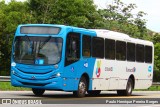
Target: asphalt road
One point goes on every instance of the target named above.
(68, 95)
(66, 99)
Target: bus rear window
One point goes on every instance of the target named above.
(148, 54)
(39, 30)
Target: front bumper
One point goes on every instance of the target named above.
(50, 84)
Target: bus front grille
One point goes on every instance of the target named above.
(34, 84)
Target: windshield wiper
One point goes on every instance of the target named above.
(46, 41)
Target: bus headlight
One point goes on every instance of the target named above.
(58, 74)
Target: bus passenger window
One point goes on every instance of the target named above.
(98, 47)
(148, 54)
(86, 46)
(139, 53)
(120, 50)
(109, 49)
(131, 52)
(72, 48)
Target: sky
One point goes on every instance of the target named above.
(151, 7)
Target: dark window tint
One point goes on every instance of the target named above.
(86, 46)
(109, 49)
(139, 53)
(120, 50)
(98, 47)
(130, 51)
(148, 54)
(72, 48)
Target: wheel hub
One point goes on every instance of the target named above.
(129, 88)
(82, 87)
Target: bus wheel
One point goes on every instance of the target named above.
(82, 88)
(38, 92)
(128, 90)
(94, 92)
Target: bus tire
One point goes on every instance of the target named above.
(128, 90)
(82, 88)
(38, 92)
(94, 92)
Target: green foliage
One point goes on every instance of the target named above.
(119, 18)
(157, 62)
(6, 86)
(70, 12)
(152, 88)
(156, 41)
(80, 13)
(11, 15)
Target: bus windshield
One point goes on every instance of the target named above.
(37, 50)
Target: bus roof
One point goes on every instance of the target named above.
(120, 36)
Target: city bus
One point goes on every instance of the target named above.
(79, 60)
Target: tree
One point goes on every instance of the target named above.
(71, 12)
(119, 17)
(11, 15)
(141, 24)
(156, 38)
(157, 62)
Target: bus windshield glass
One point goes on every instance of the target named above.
(37, 50)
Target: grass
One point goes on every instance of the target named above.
(152, 88)
(6, 86)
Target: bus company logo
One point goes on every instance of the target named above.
(150, 69)
(33, 77)
(98, 69)
(131, 70)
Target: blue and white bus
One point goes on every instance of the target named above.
(78, 60)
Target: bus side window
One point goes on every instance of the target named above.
(139, 53)
(131, 52)
(98, 47)
(109, 49)
(86, 46)
(121, 50)
(72, 48)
